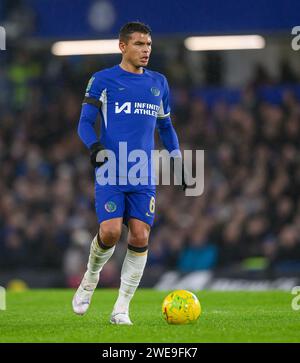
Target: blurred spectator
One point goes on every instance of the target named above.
(199, 253)
(287, 75)
(287, 256)
(231, 247)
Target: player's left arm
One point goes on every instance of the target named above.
(167, 132)
(86, 127)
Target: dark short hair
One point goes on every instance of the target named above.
(132, 27)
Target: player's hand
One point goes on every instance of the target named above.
(182, 173)
(183, 177)
(94, 150)
(184, 184)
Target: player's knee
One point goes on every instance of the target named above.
(109, 235)
(139, 238)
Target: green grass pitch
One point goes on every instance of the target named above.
(46, 316)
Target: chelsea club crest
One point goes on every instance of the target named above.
(110, 207)
(155, 91)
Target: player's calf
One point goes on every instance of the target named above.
(99, 255)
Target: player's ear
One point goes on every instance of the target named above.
(122, 46)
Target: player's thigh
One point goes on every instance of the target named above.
(140, 205)
(139, 232)
(109, 203)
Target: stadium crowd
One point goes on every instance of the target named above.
(247, 219)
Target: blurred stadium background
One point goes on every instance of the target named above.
(241, 106)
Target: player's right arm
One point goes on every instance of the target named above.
(89, 111)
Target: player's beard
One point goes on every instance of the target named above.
(144, 63)
(140, 64)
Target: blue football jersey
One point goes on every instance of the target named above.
(130, 106)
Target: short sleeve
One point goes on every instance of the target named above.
(164, 110)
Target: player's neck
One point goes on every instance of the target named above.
(128, 67)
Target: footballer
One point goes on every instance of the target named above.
(132, 102)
